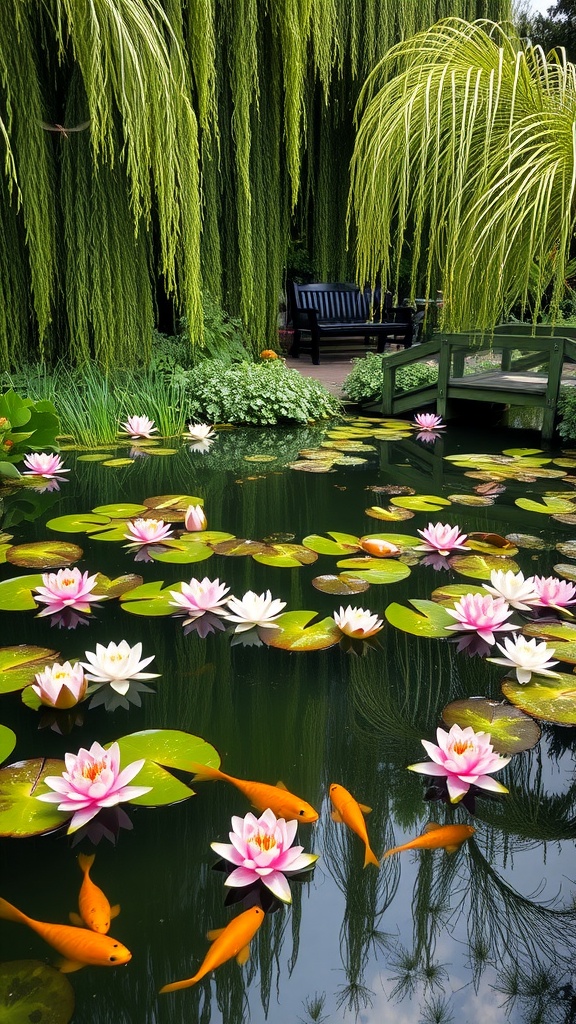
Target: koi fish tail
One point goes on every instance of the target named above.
(85, 861)
(175, 986)
(371, 858)
(388, 853)
(10, 913)
(204, 773)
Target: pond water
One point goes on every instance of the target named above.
(485, 934)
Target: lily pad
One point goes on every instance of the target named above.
(479, 567)
(390, 514)
(21, 814)
(551, 700)
(7, 742)
(527, 541)
(19, 665)
(345, 583)
(510, 729)
(116, 463)
(16, 593)
(79, 522)
(165, 748)
(430, 619)
(376, 570)
(568, 548)
(341, 543)
(491, 544)
(568, 572)
(107, 588)
(180, 552)
(45, 554)
(548, 506)
(239, 547)
(449, 593)
(312, 466)
(172, 507)
(562, 637)
(286, 556)
(295, 634)
(31, 991)
(419, 502)
(93, 458)
(471, 499)
(123, 510)
(149, 599)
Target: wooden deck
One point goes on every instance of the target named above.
(532, 368)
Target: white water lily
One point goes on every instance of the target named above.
(519, 592)
(200, 432)
(117, 664)
(357, 622)
(526, 656)
(254, 610)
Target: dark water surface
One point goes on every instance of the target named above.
(485, 935)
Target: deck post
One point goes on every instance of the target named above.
(443, 378)
(553, 388)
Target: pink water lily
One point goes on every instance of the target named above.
(357, 622)
(428, 421)
(262, 850)
(117, 665)
(92, 780)
(552, 592)
(195, 519)
(45, 464)
(482, 614)
(526, 656)
(67, 588)
(139, 426)
(60, 686)
(254, 610)
(465, 758)
(200, 596)
(147, 531)
(442, 537)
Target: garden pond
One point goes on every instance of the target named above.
(485, 933)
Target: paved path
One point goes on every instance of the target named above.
(331, 372)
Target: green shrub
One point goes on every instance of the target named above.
(365, 382)
(25, 426)
(261, 394)
(567, 413)
(225, 337)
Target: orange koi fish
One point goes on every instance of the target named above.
(283, 803)
(95, 910)
(437, 837)
(79, 946)
(351, 813)
(231, 941)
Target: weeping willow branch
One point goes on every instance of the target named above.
(465, 154)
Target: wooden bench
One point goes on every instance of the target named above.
(342, 312)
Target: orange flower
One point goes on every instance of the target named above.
(268, 353)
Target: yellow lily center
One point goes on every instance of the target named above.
(264, 841)
(92, 771)
(461, 748)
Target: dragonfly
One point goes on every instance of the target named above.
(64, 131)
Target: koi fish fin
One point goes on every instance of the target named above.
(336, 816)
(85, 861)
(243, 955)
(371, 858)
(69, 966)
(454, 848)
(214, 934)
(76, 919)
(431, 826)
(10, 913)
(175, 986)
(364, 809)
(280, 785)
(395, 849)
(114, 911)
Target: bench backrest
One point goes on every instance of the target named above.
(335, 302)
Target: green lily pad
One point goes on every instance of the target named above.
(31, 991)
(116, 463)
(312, 466)
(7, 742)
(491, 544)
(16, 593)
(390, 514)
(341, 543)
(450, 593)
(479, 567)
(528, 541)
(239, 547)
(510, 729)
(79, 522)
(548, 506)
(345, 583)
(376, 570)
(471, 499)
(107, 588)
(93, 458)
(149, 599)
(21, 814)
(180, 552)
(551, 700)
(294, 633)
(165, 748)
(162, 451)
(19, 665)
(562, 637)
(172, 508)
(430, 619)
(286, 555)
(568, 548)
(568, 572)
(45, 554)
(123, 510)
(419, 502)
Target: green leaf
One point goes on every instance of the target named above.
(294, 633)
(376, 570)
(562, 637)
(149, 599)
(19, 665)
(79, 522)
(16, 593)
(31, 991)
(390, 514)
(123, 510)
(285, 555)
(21, 813)
(44, 554)
(7, 742)
(341, 544)
(479, 567)
(239, 547)
(8, 470)
(181, 553)
(419, 502)
(165, 748)
(510, 729)
(344, 584)
(549, 506)
(429, 619)
(552, 700)
(450, 593)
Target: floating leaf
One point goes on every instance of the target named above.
(376, 570)
(19, 665)
(429, 619)
(162, 451)
(21, 814)
(567, 571)
(16, 593)
(568, 548)
(44, 554)
(341, 543)
(108, 588)
(180, 552)
(390, 514)
(79, 522)
(7, 742)
(449, 593)
(116, 463)
(419, 502)
(491, 544)
(526, 540)
(312, 466)
(294, 633)
(569, 518)
(510, 729)
(471, 499)
(239, 547)
(287, 555)
(345, 583)
(150, 599)
(172, 508)
(552, 700)
(123, 510)
(92, 458)
(34, 993)
(260, 458)
(479, 567)
(548, 506)
(165, 748)
(562, 636)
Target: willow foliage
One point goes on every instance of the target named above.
(466, 157)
